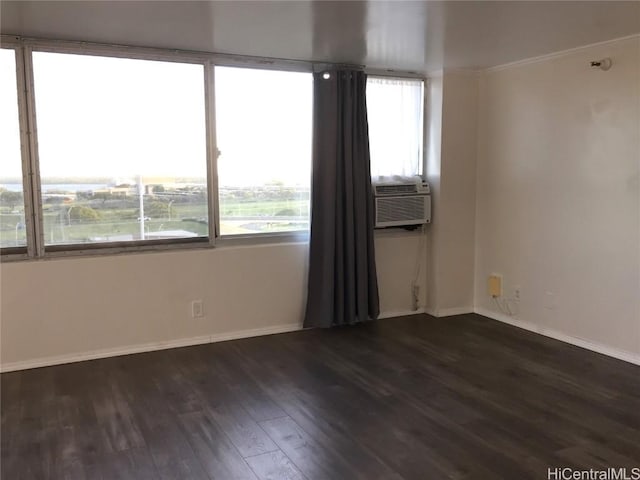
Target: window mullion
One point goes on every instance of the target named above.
(212, 152)
(29, 147)
(425, 125)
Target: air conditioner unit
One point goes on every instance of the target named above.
(402, 204)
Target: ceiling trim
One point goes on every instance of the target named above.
(558, 54)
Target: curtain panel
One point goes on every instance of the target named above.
(343, 287)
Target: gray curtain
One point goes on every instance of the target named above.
(343, 286)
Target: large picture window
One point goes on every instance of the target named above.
(122, 149)
(12, 211)
(263, 128)
(395, 108)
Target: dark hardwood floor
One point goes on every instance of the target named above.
(413, 398)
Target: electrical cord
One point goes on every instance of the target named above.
(421, 244)
(504, 306)
(418, 266)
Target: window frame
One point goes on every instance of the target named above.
(390, 75)
(27, 251)
(36, 249)
(39, 248)
(293, 236)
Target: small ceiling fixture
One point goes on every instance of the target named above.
(604, 64)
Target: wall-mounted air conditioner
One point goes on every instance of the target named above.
(402, 204)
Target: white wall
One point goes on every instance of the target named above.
(458, 190)
(558, 200)
(433, 124)
(79, 306)
(401, 259)
(73, 308)
(451, 171)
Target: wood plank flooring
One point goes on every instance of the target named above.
(412, 398)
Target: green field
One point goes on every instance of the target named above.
(87, 221)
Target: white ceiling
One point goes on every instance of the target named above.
(408, 35)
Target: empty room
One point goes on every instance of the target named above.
(320, 240)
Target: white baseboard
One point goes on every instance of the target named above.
(147, 347)
(563, 337)
(448, 312)
(400, 313)
(185, 342)
(151, 347)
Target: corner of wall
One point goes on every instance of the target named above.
(558, 204)
(452, 135)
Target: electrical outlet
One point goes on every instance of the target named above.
(550, 300)
(517, 292)
(197, 309)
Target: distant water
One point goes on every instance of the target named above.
(62, 187)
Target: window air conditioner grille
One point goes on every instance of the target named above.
(396, 189)
(403, 210)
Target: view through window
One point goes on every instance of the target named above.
(122, 148)
(12, 214)
(395, 112)
(263, 130)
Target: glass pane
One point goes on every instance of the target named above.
(395, 112)
(263, 128)
(12, 221)
(122, 147)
